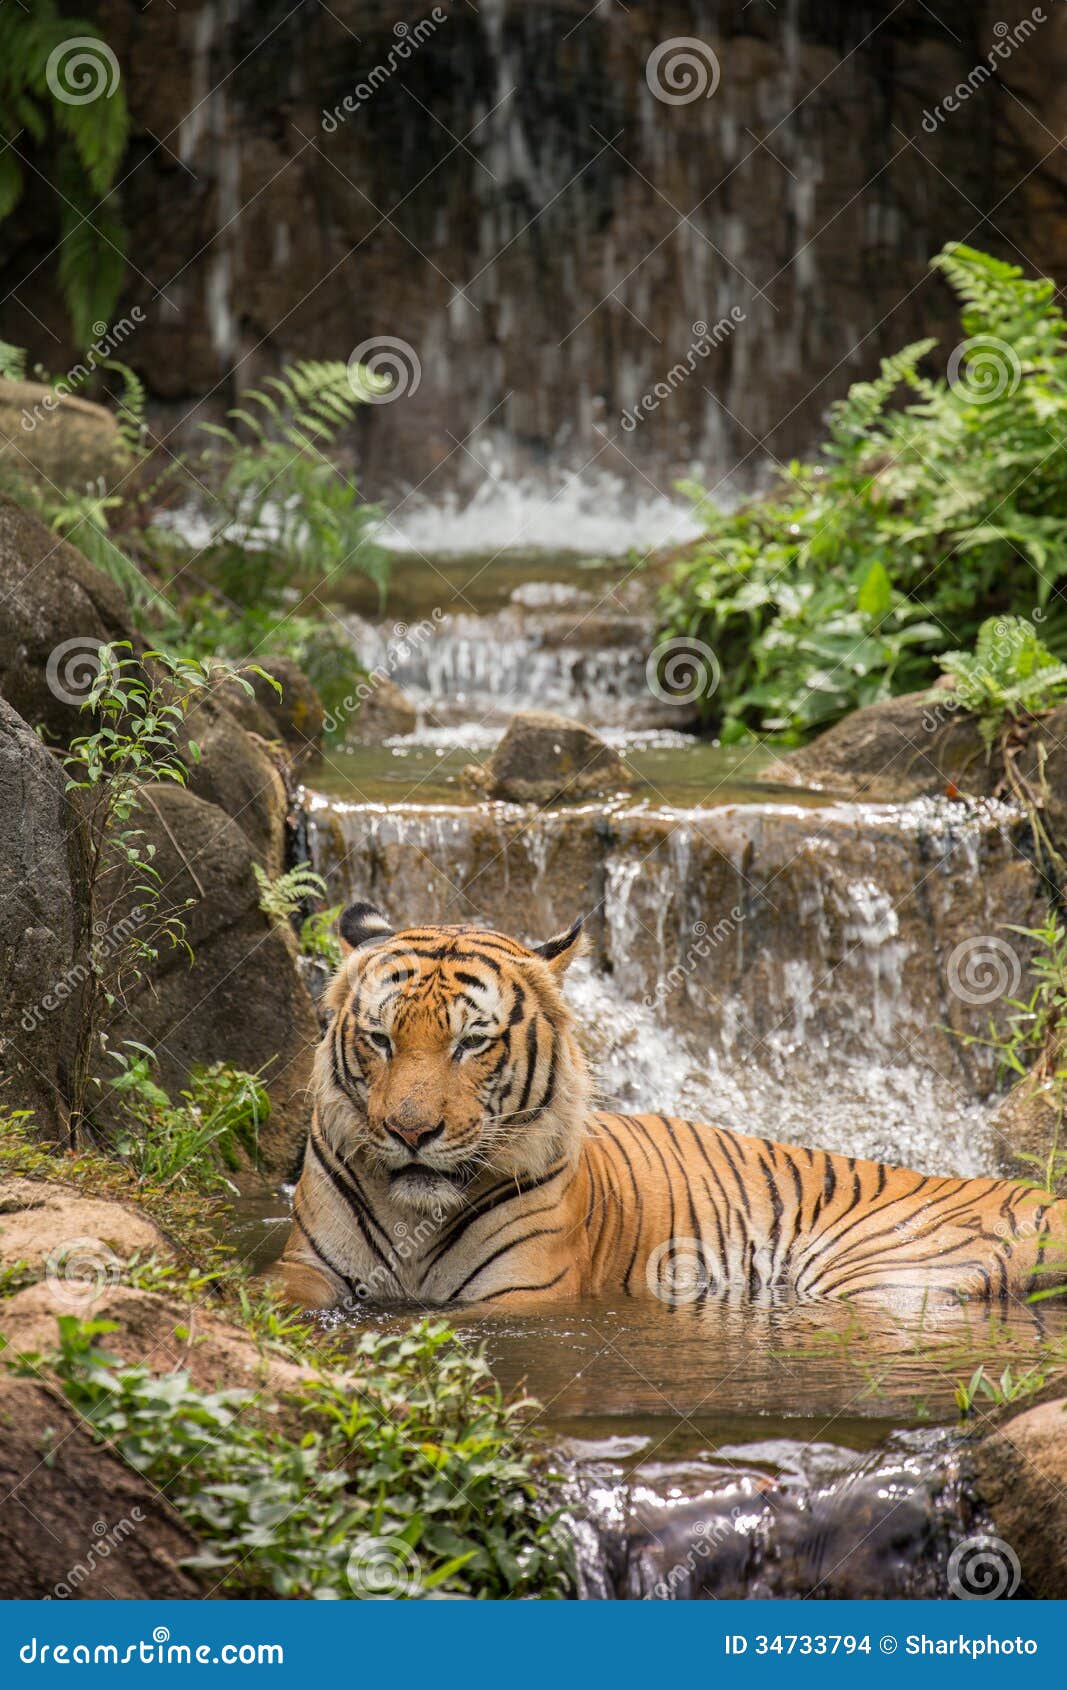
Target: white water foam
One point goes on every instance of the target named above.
(597, 516)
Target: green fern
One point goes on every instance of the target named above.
(1010, 672)
(82, 144)
(933, 505)
(287, 510)
(281, 897)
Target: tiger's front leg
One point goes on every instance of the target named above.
(306, 1285)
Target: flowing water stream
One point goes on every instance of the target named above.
(763, 958)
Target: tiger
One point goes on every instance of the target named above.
(455, 1158)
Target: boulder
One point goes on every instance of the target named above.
(898, 749)
(42, 927)
(1021, 1470)
(236, 771)
(58, 609)
(242, 999)
(295, 717)
(77, 1243)
(75, 1520)
(60, 439)
(385, 713)
(543, 758)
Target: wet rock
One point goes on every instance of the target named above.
(385, 713)
(779, 1520)
(65, 441)
(544, 758)
(242, 999)
(57, 611)
(1022, 1478)
(43, 934)
(901, 748)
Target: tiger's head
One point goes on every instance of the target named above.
(450, 1059)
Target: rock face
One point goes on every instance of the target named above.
(42, 927)
(67, 443)
(1028, 1126)
(535, 217)
(543, 759)
(242, 999)
(1022, 1478)
(294, 717)
(57, 611)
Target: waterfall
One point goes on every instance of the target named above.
(767, 967)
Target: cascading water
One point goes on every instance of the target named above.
(762, 958)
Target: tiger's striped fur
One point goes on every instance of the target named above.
(453, 1158)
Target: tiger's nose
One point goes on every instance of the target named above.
(416, 1135)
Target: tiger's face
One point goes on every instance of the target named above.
(450, 1057)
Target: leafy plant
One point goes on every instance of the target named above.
(141, 705)
(1010, 673)
(1008, 1388)
(318, 939)
(913, 524)
(197, 1140)
(415, 1475)
(80, 142)
(289, 517)
(281, 898)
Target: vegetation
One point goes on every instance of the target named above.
(76, 144)
(282, 897)
(1010, 674)
(197, 1141)
(914, 523)
(411, 1480)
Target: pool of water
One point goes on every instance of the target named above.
(652, 1378)
(676, 770)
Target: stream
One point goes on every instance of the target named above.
(762, 957)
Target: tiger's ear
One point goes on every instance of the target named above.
(362, 924)
(564, 949)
